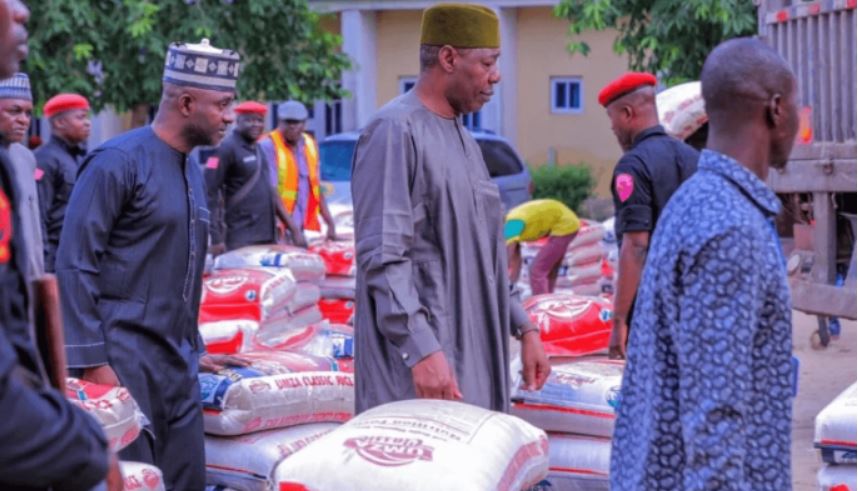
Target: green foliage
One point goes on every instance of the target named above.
(570, 184)
(669, 37)
(113, 51)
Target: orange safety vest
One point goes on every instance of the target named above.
(287, 177)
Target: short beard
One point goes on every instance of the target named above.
(195, 136)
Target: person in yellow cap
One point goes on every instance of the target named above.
(535, 220)
(435, 309)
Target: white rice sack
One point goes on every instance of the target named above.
(229, 336)
(577, 463)
(304, 265)
(306, 295)
(276, 327)
(421, 445)
(113, 407)
(837, 478)
(590, 233)
(580, 396)
(279, 389)
(338, 287)
(681, 109)
(137, 476)
(247, 463)
(836, 428)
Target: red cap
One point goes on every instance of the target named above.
(625, 84)
(65, 102)
(251, 107)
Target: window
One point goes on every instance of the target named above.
(500, 159)
(566, 95)
(334, 117)
(406, 84)
(472, 121)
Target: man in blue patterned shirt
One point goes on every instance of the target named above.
(706, 401)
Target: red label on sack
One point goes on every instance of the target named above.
(388, 451)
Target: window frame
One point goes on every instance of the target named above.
(567, 80)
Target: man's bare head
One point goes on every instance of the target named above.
(750, 89)
(632, 113)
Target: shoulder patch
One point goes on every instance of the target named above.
(625, 186)
(5, 228)
(212, 162)
(38, 174)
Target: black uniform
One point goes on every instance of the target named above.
(57, 162)
(45, 442)
(237, 179)
(646, 177)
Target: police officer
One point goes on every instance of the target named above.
(57, 163)
(45, 442)
(237, 179)
(652, 168)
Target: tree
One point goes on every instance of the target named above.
(669, 37)
(113, 51)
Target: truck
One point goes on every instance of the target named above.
(818, 185)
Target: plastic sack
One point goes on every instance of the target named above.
(229, 336)
(339, 256)
(580, 396)
(837, 478)
(338, 287)
(254, 294)
(247, 463)
(681, 110)
(284, 322)
(585, 255)
(577, 463)
(305, 266)
(835, 433)
(590, 233)
(279, 389)
(137, 476)
(421, 445)
(322, 339)
(337, 310)
(579, 275)
(113, 407)
(306, 295)
(571, 325)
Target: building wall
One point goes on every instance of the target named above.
(398, 41)
(581, 137)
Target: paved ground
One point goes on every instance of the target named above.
(824, 374)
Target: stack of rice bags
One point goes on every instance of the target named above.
(835, 438)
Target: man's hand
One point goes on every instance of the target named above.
(217, 249)
(114, 480)
(619, 335)
(101, 375)
(332, 233)
(433, 378)
(216, 363)
(535, 365)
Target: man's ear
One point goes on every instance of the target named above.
(185, 103)
(775, 111)
(447, 58)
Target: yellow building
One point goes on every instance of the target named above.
(546, 102)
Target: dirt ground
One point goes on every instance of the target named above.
(824, 374)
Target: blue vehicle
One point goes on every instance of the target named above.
(504, 165)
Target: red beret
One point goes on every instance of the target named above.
(251, 107)
(65, 102)
(625, 84)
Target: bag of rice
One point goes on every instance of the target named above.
(577, 463)
(137, 476)
(279, 389)
(305, 266)
(254, 294)
(113, 407)
(421, 445)
(570, 324)
(580, 396)
(836, 428)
